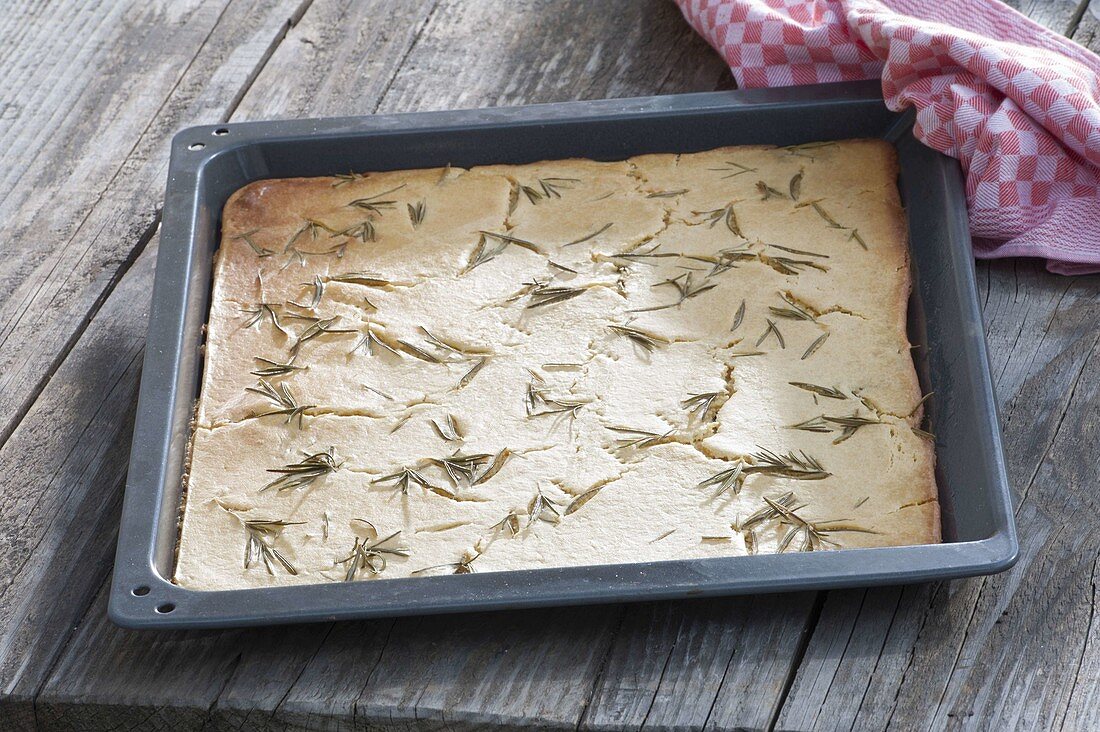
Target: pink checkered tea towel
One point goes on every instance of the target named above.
(1017, 104)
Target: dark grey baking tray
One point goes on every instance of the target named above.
(209, 163)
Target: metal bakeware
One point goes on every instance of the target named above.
(211, 162)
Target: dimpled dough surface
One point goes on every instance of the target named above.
(562, 363)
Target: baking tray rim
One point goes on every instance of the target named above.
(144, 509)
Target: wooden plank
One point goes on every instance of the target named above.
(322, 674)
(466, 672)
(718, 664)
(1058, 15)
(60, 520)
(170, 696)
(57, 519)
(1087, 30)
(93, 94)
(1014, 649)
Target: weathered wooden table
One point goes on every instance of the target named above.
(91, 92)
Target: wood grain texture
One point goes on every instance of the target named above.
(1058, 15)
(1021, 649)
(68, 447)
(715, 664)
(1017, 649)
(94, 92)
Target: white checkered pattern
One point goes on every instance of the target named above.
(1018, 105)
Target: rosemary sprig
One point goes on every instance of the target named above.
(646, 340)
(637, 438)
(668, 194)
(825, 391)
(374, 204)
(859, 239)
(538, 404)
(849, 425)
(510, 522)
(685, 287)
(770, 512)
(814, 534)
(790, 266)
(370, 340)
(726, 259)
(799, 251)
(342, 179)
(258, 314)
(274, 368)
(246, 237)
(767, 191)
(728, 479)
(698, 405)
(494, 467)
(795, 186)
(371, 557)
(282, 398)
(550, 186)
(790, 465)
(305, 472)
(793, 311)
(484, 252)
(364, 231)
(449, 430)
(462, 469)
(406, 477)
(366, 279)
(582, 499)
(320, 327)
(734, 169)
(726, 214)
(796, 150)
(544, 294)
(418, 352)
(260, 536)
(814, 424)
(417, 212)
(770, 330)
(812, 348)
(539, 506)
(588, 237)
(462, 566)
(318, 286)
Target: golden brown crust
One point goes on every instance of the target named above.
(572, 320)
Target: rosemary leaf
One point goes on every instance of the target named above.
(812, 349)
(770, 330)
(582, 499)
(303, 473)
(498, 462)
(593, 235)
(417, 212)
(641, 338)
(738, 317)
(374, 204)
(825, 391)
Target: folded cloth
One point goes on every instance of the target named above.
(1018, 105)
